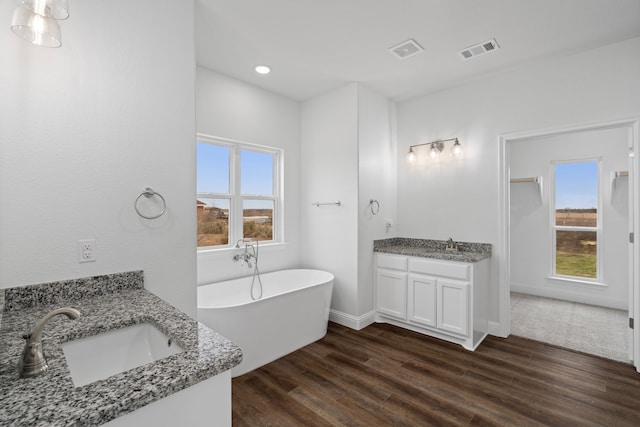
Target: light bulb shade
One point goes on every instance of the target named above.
(411, 156)
(456, 149)
(435, 150)
(36, 28)
(56, 9)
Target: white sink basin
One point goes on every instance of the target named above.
(100, 356)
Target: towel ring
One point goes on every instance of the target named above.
(148, 192)
(376, 209)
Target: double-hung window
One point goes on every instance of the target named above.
(238, 192)
(576, 220)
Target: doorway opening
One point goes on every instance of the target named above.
(542, 254)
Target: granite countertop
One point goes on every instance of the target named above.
(105, 303)
(467, 251)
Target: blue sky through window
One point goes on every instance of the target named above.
(212, 174)
(212, 168)
(256, 171)
(577, 185)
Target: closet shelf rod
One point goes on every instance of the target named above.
(521, 180)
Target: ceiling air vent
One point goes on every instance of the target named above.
(479, 49)
(406, 49)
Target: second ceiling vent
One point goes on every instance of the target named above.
(479, 49)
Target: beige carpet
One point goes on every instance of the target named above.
(586, 328)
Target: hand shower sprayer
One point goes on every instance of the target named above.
(245, 258)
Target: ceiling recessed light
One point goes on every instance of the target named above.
(262, 69)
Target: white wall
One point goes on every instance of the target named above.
(235, 110)
(348, 152)
(461, 199)
(330, 173)
(376, 180)
(83, 129)
(531, 238)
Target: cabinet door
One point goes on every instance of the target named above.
(422, 300)
(453, 306)
(391, 293)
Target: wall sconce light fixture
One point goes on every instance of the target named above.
(37, 21)
(435, 149)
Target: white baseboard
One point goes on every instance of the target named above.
(350, 321)
(582, 298)
(495, 329)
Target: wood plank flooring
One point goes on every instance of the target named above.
(387, 376)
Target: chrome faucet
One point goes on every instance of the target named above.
(32, 362)
(246, 257)
(451, 245)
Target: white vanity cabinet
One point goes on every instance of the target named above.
(441, 298)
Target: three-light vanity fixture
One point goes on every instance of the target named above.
(435, 149)
(37, 21)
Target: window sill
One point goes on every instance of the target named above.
(223, 252)
(577, 281)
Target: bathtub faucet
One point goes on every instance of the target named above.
(246, 257)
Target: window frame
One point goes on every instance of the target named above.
(235, 196)
(598, 229)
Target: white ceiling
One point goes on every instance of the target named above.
(314, 46)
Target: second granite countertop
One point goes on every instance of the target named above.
(435, 249)
(52, 399)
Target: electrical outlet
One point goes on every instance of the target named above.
(86, 250)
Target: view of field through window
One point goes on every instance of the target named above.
(576, 219)
(216, 194)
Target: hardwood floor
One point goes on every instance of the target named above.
(387, 376)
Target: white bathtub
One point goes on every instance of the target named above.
(293, 312)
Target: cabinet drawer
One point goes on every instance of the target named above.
(455, 270)
(394, 262)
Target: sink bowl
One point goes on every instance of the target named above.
(100, 356)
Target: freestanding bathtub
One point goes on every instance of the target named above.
(293, 312)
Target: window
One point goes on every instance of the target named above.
(238, 193)
(576, 220)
